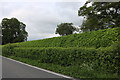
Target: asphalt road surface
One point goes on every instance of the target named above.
(13, 69)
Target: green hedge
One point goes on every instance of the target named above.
(96, 59)
(100, 38)
(91, 51)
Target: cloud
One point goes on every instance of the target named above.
(42, 18)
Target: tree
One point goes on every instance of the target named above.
(65, 29)
(13, 31)
(100, 15)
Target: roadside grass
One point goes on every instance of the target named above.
(73, 71)
(0, 49)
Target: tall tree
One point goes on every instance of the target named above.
(13, 31)
(65, 29)
(100, 15)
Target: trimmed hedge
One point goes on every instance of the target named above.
(96, 51)
(95, 59)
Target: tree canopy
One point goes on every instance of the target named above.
(13, 31)
(65, 29)
(100, 15)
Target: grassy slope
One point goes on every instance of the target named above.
(101, 38)
(66, 47)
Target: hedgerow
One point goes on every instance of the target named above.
(96, 51)
(97, 59)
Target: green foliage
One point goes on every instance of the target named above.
(13, 31)
(100, 15)
(101, 38)
(89, 59)
(7, 50)
(73, 71)
(91, 54)
(65, 29)
(0, 50)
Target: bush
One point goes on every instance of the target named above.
(96, 51)
(91, 58)
(7, 50)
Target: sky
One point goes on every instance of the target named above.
(42, 17)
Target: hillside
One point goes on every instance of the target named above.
(86, 55)
(101, 38)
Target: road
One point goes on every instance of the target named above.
(13, 69)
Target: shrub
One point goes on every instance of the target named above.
(93, 51)
(95, 59)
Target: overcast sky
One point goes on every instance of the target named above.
(42, 18)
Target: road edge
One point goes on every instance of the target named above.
(48, 71)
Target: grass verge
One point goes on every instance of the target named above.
(73, 71)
